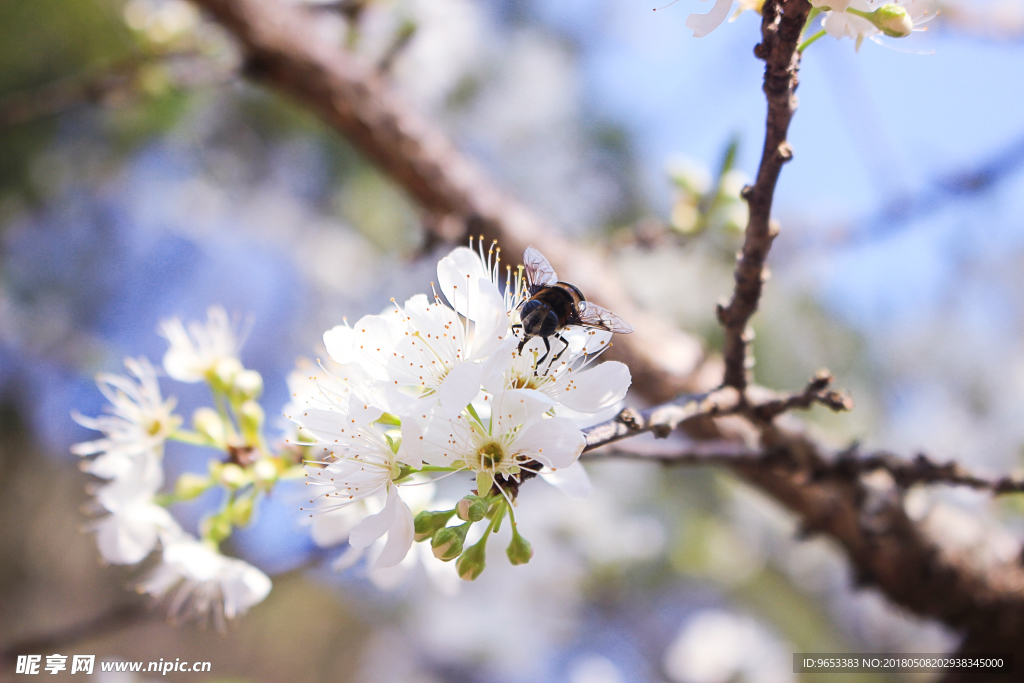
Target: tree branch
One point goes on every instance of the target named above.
(662, 420)
(781, 24)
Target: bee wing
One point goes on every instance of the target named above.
(592, 315)
(539, 272)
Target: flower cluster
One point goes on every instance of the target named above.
(856, 19)
(440, 386)
(194, 578)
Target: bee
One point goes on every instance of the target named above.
(554, 306)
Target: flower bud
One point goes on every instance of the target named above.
(250, 417)
(266, 471)
(232, 476)
(893, 21)
(225, 370)
(207, 422)
(428, 522)
(447, 542)
(249, 384)
(471, 509)
(519, 550)
(215, 528)
(190, 485)
(471, 564)
(241, 510)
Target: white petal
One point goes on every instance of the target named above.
(326, 425)
(362, 410)
(555, 442)
(410, 451)
(124, 540)
(374, 526)
(517, 407)
(347, 559)
(596, 388)
(243, 587)
(459, 387)
(573, 480)
(493, 377)
(703, 24)
(341, 344)
(332, 527)
(491, 320)
(454, 271)
(400, 536)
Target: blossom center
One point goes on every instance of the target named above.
(491, 455)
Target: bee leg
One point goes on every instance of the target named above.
(559, 354)
(547, 350)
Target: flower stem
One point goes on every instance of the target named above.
(809, 41)
(188, 436)
(815, 11)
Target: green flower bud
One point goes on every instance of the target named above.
(251, 418)
(266, 471)
(471, 508)
(224, 372)
(893, 21)
(448, 542)
(215, 528)
(428, 522)
(207, 422)
(471, 564)
(248, 384)
(241, 510)
(190, 485)
(233, 476)
(519, 550)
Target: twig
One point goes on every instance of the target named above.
(716, 452)
(781, 24)
(285, 50)
(817, 391)
(920, 470)
(663, 419)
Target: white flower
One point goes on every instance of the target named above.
(462, 273)
(139, 422)
(358, 462)
(195, 354)
(514, 437)
(845, 18)
(424, 352)
(197, 582)
(839, 23)
(133, 527)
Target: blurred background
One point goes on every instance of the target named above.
(141, 178)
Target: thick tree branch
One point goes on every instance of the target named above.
(284, 49)
(781, 25)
